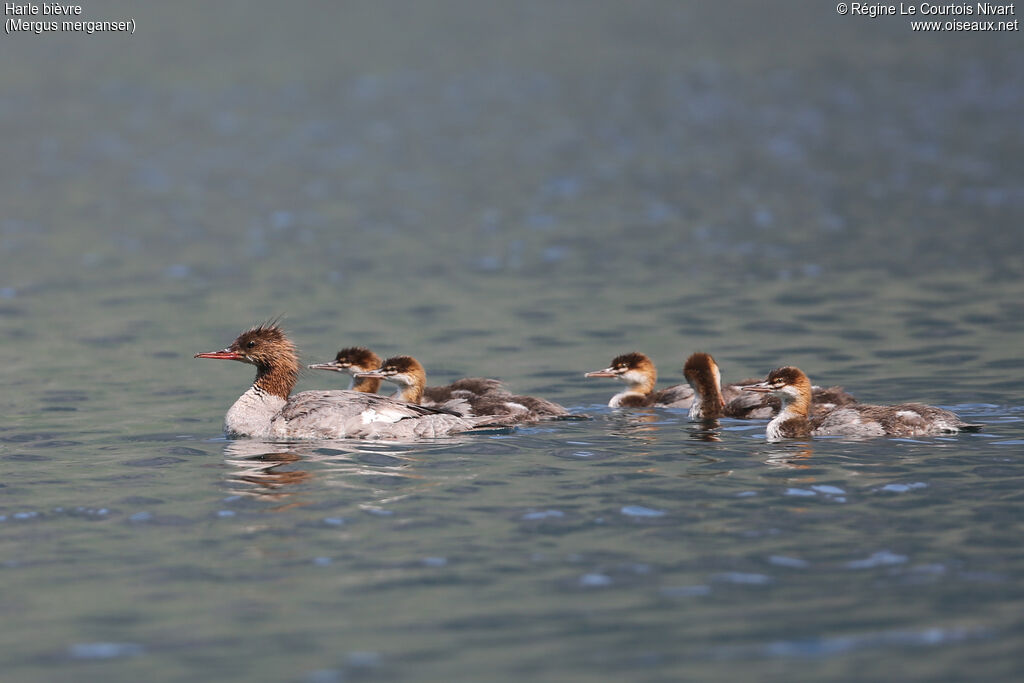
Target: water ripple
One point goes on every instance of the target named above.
(838, 645)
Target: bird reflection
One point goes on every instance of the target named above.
(640, 426)
(283, 471)
(705, 430)
(266, 473)
(795, 457)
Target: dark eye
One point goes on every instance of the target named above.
(251, 344)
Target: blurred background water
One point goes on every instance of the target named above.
(520, 190)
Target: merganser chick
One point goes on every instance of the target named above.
(702, 374)
(795, 421)
(357, 359)
(640, 376)
(705, 378)
(470, 396)
(268, 409)
(462, 389)
(405, 372)
(352, 360)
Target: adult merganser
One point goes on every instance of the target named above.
(704, 377)
(350, 361)
(470, 396)
(795, 421)
(268, 410)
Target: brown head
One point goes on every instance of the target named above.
(702, 373)
(268, 348)
(634, 369)
(351, 360)
(790, 384)
(403, 371)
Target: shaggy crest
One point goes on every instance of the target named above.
(277, 360)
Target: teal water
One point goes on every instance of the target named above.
(523, 192)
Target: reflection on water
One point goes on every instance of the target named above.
(791, 456)
(705, 430)
(378, 472)
(265, 475)
(643, 427)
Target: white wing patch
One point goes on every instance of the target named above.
(910, 414)
(383, 415)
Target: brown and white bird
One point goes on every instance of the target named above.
(637, 371)
(469, 396)
(710, 401)
(796, 420)
(354, 360)
(350, 361)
